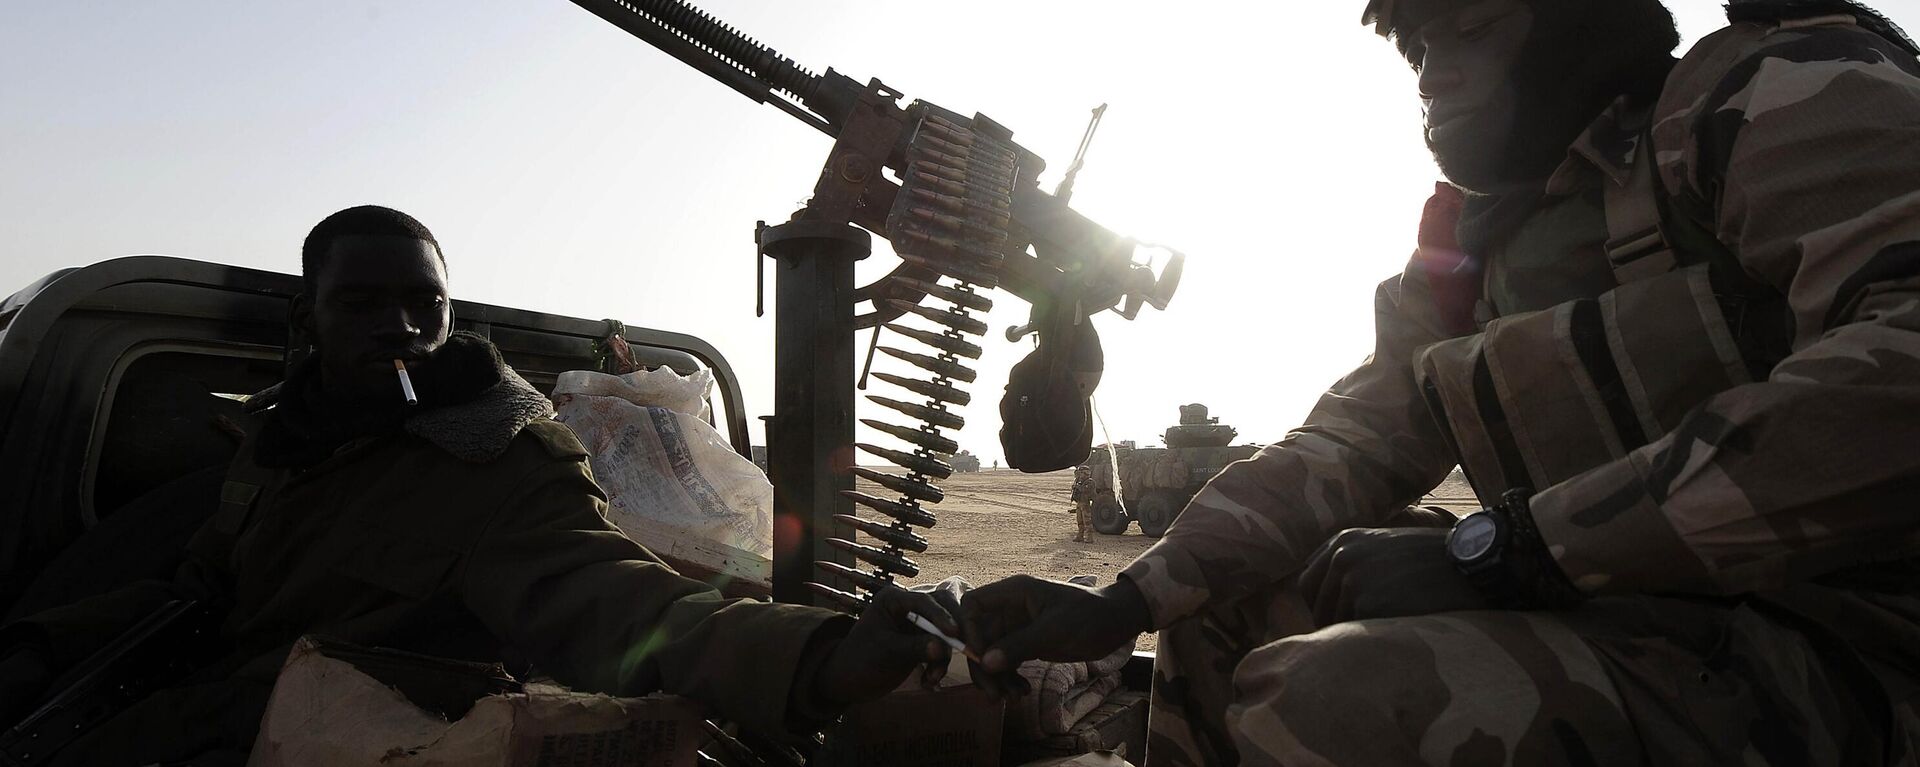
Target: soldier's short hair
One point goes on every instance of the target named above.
(358, 221)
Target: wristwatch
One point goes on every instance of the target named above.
(1480, 546)
(1500, 551)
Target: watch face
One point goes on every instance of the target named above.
(1472, 537)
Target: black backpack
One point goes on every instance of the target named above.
(1046, 416)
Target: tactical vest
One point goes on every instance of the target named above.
(1538, 397)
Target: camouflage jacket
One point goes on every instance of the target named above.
(1800, 142)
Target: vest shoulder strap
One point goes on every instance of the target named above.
(1637, 245)
(1648, 235)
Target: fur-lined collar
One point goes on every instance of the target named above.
(472, 407)
(480, 429)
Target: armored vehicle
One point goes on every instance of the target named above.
(966, 462)
(1157, 482)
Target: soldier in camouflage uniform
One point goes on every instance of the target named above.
(1696, 334)
(1083, 504)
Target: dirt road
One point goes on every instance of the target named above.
(997, 523)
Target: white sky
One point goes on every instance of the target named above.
(567, 167)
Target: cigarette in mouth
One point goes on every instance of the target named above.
(927, 626)
(406, 384)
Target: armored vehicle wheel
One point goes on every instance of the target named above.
(1156, 510)
(1107, 517)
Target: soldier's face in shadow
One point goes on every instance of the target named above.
(1509, 85)
(1468, 54)
(1465, 58)
(376, 299)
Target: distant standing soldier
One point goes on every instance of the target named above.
(1083, 503)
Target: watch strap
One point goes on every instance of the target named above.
(1489, 572)
(1529, 559)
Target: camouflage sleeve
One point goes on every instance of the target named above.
(1807, 143)
(1368, 448)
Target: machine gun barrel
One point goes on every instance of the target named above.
(742, 63)
(1074, 254)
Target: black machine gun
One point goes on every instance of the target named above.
(966, 206)
(933, 234)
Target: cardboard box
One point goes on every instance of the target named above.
(957, 726)
(1119, 725)
(328, 709)
(1095, 759)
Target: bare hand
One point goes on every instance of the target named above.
(1385, 573)
(1025, 618)
(883, 648)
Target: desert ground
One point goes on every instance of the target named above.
(997, 523)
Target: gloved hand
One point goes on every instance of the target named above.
(1023, 618)
(1385, 573)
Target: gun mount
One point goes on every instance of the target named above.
(967, 207)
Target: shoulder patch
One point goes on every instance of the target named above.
(558, 440)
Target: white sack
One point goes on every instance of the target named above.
(668, 474)
(647, 388)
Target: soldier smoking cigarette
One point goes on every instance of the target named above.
(406, 383)
(957, 645)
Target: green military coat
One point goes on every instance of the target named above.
(474, 532)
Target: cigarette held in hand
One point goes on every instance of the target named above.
(406, 384)
(927, 626)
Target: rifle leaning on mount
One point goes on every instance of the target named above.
(164, 647)
(967, 206)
